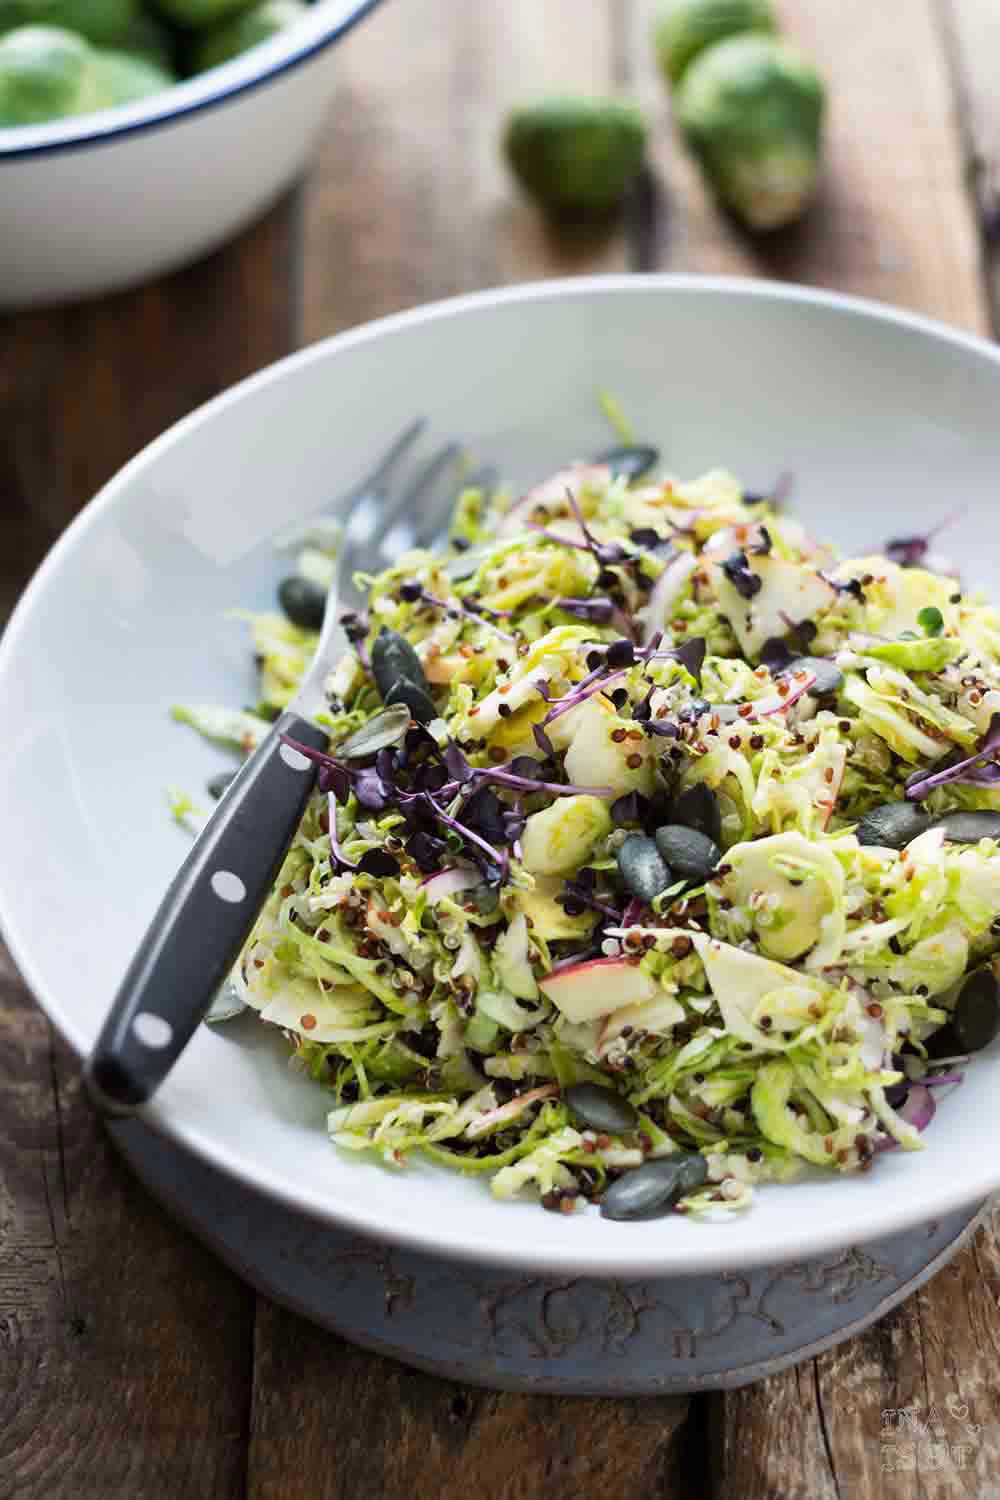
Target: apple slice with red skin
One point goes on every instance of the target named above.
(584, 992)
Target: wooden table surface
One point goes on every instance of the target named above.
(132, 1365)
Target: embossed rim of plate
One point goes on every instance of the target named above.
(601, 1377)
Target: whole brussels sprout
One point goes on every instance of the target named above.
(103, 22)
(751, 109)
(197, 14)
(122, 78)
(148, 38)
(45, 74)
(577, 156)
(683, 28)
(244, 31)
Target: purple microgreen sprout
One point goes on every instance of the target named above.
(575, 891)
(412, 592)
(982, 768)
(605, 554)
(594, 611)
(910, 551)
(355, 625)
(338, 854)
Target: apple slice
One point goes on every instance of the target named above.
(550, 496)
(789, 593)
(740, 981)
(659, 1016)
(586, 991)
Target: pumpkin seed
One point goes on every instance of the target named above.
(690, 854)
(600, 1109)
(969, 827)
(385, 729)
(698, 808)
(392, 658)
(892, 825)
(648, 1191)
(630, 461)
(642, 867)
(420, 703)
(303, 602)
(976, 1018)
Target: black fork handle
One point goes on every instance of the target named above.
(203, 920)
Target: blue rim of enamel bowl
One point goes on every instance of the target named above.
(274, 59)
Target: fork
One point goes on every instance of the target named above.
(214, 899)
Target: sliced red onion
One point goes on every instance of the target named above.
(917, 1109)
(777, 705)
(511, 1110)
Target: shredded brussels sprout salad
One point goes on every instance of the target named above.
(656, 854)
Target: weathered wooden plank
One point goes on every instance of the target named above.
(332, 1423)
(971, 29)
(83, 388)
(908, 1409)
(891, 219)
(125, 1348)
(410, 200)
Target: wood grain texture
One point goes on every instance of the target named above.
(410, 200)
(332, 1423)
(891, 219)
(971, 31)
(125, 1348)
(83, 388)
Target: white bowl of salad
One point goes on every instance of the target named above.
(660, 936)
(136, 135)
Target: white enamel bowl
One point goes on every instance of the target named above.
(889, 422)
(104, 201)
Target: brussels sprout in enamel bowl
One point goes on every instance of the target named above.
(214, 101)
(888, 421)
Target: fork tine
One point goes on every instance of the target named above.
(377, 479)
(396, 528)
(356, 505)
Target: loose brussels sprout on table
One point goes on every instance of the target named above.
(576, 156)
(751, 109)
(62, 58)
(684, 28)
